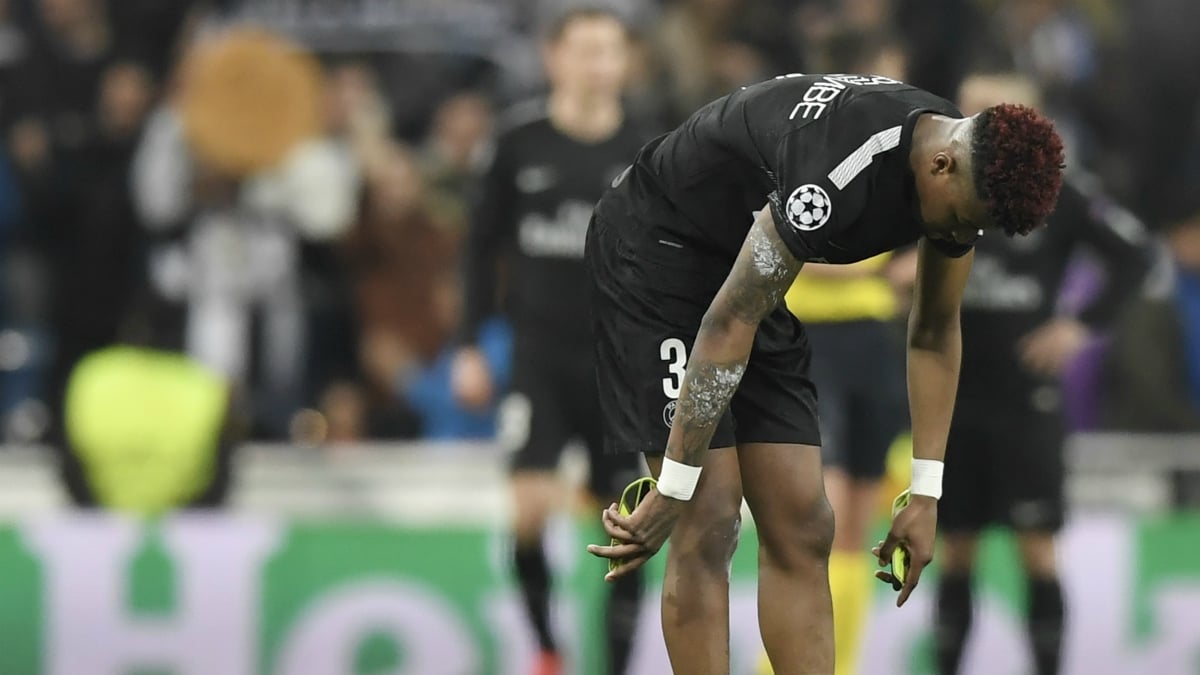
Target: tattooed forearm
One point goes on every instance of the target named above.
(761, 275)
(707, 391)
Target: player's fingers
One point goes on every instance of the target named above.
(616, 552)
(627, 567)
(888, 546)
(1033, 347)
(889, 579)
(1049, 359)
(625, 522)
(911, 578)
(616, 531)
(1037, 355)
(877, 551)
(622, 523)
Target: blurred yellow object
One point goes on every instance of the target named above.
(900, 555)
(633, 495)
(248, 98)
(146, 426)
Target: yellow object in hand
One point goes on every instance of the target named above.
(900, 555)
(633, 495)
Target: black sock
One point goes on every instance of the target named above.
(1046, 624)
(954, 614)
(624, 601)
(533, 574)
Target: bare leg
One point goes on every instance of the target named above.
(695, 600)
(795, 529)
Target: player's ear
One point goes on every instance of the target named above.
(943, 163)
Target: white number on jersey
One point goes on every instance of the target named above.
(673, 352)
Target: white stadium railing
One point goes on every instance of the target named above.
(465, 482)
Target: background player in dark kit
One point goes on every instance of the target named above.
(552, 163)
(1007, 434)
(689, 283)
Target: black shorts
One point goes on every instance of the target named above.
(651, 287)
(1003, 468)
(553, 400)
(858, 367)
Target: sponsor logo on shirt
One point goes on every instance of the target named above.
(562, 235)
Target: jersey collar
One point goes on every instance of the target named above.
(910, 180)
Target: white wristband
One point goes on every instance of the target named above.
(927, 478)
(678, 481)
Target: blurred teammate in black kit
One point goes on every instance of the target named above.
(691, 253)
(553, 161)
(1007, 434)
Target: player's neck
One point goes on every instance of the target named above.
(587, 120)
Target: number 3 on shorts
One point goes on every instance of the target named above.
(674, 353)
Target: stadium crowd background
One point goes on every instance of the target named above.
(331, 306)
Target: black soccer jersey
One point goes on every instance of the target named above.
(534, 207)
(829, 153)
(1015, 286)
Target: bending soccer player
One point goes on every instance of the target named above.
(704, 371)
(553, 161)
(1007, 434)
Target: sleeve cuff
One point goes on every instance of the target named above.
(950, 249)
(789, 236)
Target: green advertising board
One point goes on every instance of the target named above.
(196, 595)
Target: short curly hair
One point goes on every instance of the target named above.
(1018, 163)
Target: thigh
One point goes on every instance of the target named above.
(777, 401)
(1028, 471)
(783, 486)
(532, 422)
(644, 327)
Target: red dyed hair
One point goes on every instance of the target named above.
(1017, 161)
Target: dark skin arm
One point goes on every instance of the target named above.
(756, 284)
(934, 355)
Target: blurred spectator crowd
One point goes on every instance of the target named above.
(326, 287)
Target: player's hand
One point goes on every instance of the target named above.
(640, 534)
(913, 527)
(471, 379)
(1049, 349)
